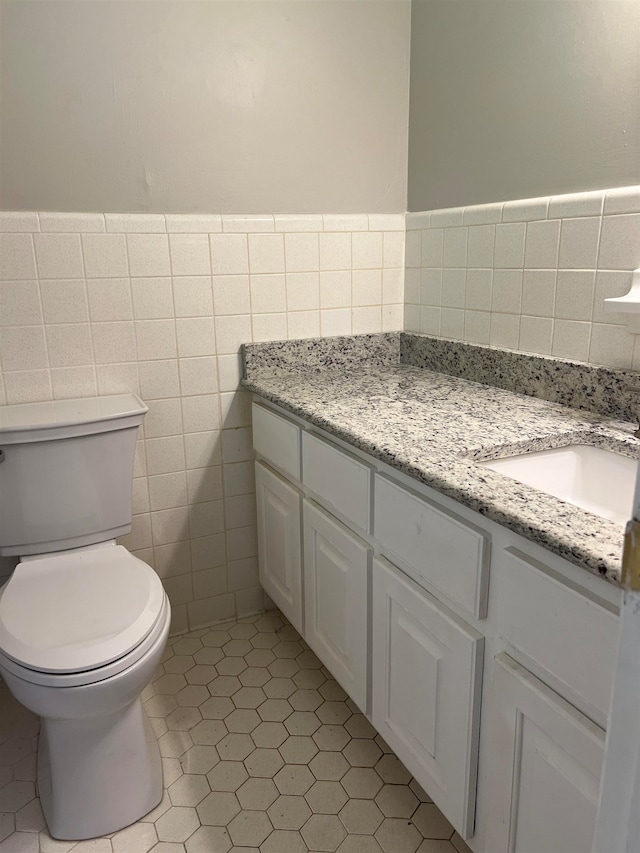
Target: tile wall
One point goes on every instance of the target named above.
(528, 275)
(159, 304)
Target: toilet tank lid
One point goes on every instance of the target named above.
(23, 422)
(74, 612)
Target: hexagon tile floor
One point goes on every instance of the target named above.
(262, 751)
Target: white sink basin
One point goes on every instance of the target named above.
(597, 480)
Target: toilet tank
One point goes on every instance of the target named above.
(65, 472)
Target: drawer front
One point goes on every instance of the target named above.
(426, 691)
(277, 440)
(339, 479)
(565, 633)
(437, 546)
(336, 583)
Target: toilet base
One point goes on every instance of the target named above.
(98, 775)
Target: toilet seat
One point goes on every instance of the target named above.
(108, 606)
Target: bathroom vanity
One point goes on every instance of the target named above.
(472, 619)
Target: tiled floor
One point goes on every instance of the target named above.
(262, 751)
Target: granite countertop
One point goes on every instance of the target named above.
(434, 427)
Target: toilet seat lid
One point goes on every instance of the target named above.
(76, 612)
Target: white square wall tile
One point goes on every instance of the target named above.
(231, 333)
(611, 346)
(392, 318)
(196, 336)
(303, 324)
(453, 288)
(159, 379)
(70, 382)
(110, 299)
(268, 294)
(413, 249)
(303, 291)
(114, 342)
(156, 339)
(571, 339)
(165, 455)
(432, 247)
(505, 331)
(231, 294)
(506, 292)
(477, 327)
(148, 254)
(69, 345)
(539, 292)
(452, 323)
(229, 371)
(480, 246)
(118, 379)
(205, 484)
(366, 287)
(167, 490)
(478, 290)
(335, 251)
(20, 303)
(536, 335)
(163, 418)
(455, 247)
(266, 253)
(428, 320)
(236, 409)
(392, 286)
(393, 249)
(152, 298)
(229, 254)
(366, 248)
(203, 449)
(574, 294)
(170, 527)
(17, 259)
(201, 413)
(59, 255)
(269, 327)
(28, 386)
(189, 254)
(193, 296)
(366, 320)
(301, 252)
(412, 286)
(335, 289)
(430, 286)
(105, 255)
(198, 375)
(335, 321)
(509, 245)
(620, 242)
(64, 301)
(579, 243)
(542, 244)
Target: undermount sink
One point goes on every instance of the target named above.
(600, 481)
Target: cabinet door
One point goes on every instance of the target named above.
(279, 542)
(546, 762)
(336, 569)
(427, 675)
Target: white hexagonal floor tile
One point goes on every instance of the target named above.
(262, 750)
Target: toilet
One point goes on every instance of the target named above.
(83, 623)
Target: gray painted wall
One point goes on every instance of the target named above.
(520, 98)
(223, 106)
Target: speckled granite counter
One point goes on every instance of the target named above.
(433, 426)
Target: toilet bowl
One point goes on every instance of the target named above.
(83, 623)
(80, 661)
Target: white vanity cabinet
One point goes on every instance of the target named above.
(483, 660)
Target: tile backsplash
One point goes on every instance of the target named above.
(159, 304)
(528, 275)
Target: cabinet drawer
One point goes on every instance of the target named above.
(564, 632)
(436, 546)
(277, 440)
(426, 692)
(338, 478)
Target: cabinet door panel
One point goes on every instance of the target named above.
(279, 542)
(427, 674)
(546, 765)
(336, 569)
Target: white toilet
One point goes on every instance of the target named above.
(83, 623)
